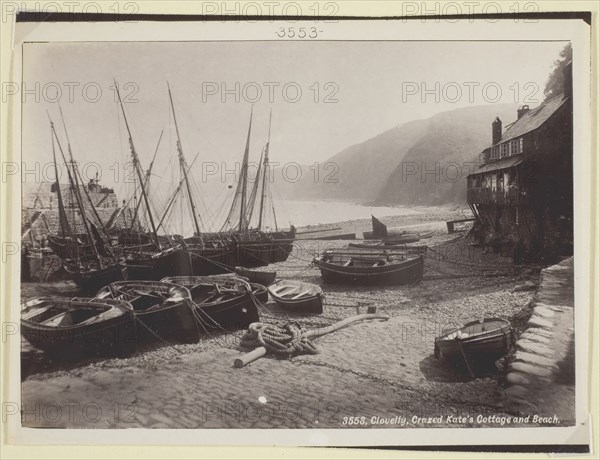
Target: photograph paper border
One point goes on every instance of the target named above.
(574, 30)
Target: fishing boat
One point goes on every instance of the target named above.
(155, 265)
(103, 267)
(377, 268)
(77, 327)
(297, 296)
(477, 342)
(164, 311)
(257, 276)
(90, 277)
(220, 302)
(246, 220)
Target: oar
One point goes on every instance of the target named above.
(314, 333)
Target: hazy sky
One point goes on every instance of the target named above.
(368, 79)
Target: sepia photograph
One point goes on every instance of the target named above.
(278, 226)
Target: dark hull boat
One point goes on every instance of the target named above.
(477, 342)
(214, 260)
(157, 265)
(402, 239)
(262, 253)
(257, 276)
(163, 311)
(90, 278)
(370, 268)
(220, 302)
(297, 296)
(78, 327)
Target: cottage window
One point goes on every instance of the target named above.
(514, 147)
(521, 145)
(504, 150)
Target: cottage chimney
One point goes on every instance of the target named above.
(496, 130)
(568, 79)
(522, 111)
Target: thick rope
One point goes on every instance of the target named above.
(283, 341)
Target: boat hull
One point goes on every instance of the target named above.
(166, 320)
(234, 307)
(255, 276)
(177, 262)
(232, 314)
(89, 281)
(310, 303)
(481, 348)
(403, 273)
(115, 336)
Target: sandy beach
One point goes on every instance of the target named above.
(373, 374)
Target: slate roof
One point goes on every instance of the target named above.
(533, 119)
(504, 163)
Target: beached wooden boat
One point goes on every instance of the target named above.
(425, 235)
(257, 276)
(220, 301)
(79, 327)
(164, 311)
(297, 295)
(378, 268)
(402, 239)
(90, 277)
(155, 265)
(476, 342)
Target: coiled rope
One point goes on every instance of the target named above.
(283, 341)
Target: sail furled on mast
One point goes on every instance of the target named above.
(236, 219)
(63, 221)
(251, 204)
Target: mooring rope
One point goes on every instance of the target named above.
(283, 341)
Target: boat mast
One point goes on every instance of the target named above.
(264, 178)
(136, 166)
(183, 166)
(252, 200)
(73, 182)
(243, 177)
(146, 180)
(63, 221)
(76, 173)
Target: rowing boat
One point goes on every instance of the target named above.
(78, 327)
(163, 310)
(374, 268)
(221, 301)
(297, 296)
(257, 276)
(476, 342)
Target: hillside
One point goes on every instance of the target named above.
(434, 169)
(359, 171)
